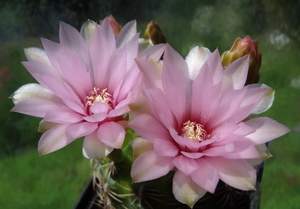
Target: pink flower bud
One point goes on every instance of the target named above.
(114, 24)
(240, 48)
(154, 33)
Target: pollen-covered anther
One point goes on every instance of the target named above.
(194, 131)
(99, 96)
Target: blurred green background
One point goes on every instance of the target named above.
(57, 180)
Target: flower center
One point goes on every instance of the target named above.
(98, 95)
(194, 131)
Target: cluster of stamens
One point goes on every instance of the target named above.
(99, 96)
(194, 131)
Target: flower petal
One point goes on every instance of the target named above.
(140, 145)
(235, 74)
(206, 176)
(237, 173)
(186, 190)
(37, 54)
(195, 59)
(73, 40)
(152, 74)
(266, 129)
(54, 139)
(111, 134)
(267, 100)
(149, 166)
(127, 32)
(153, 53)
(33, 90)
(77, 130)
(165, 148)
(93, 148)
(37, 107)
(141, 125)
(87, 30)
(185, 165)
(175, 73)
(264, 154)
(63, 116)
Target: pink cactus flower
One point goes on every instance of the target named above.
(85, 85)
(196, 124)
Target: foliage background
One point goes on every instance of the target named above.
(57, 180)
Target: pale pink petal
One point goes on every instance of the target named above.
(118, 69)
(51, 48)
(127, 32)
(95, 117)
(139, 106)
(153, 53)
(101, 63)
(206, 176)
(34, 90)
(235, 74)
(219, 150)
(266, 129)
(236, 173)
(63, 116)
(228, 106)
(224, 131)
(204, 109)
(248, 104)
(37, 107)
(149, 166)
(186, 190)
(74, 105)
(132, 52)
(77, 130)
(235, 132)
(243, 150)
(73, 40)
(140, 145)
(118, 111)
(267, 100)
(54, 139)
(141, 125)
(39, 70)
(202, 83)
(152, 74)
(214, 64)
(108, 33)
(264, 154)
(195, 59)
(100, 108)
(111, 134)
(37, 54)
(192, 155)
(165, 148)
(62, 90)
(159, 107)
(185, 165)
(45, 126)
(93, 148)
(75, 73)
(87, 30)
(175, 73)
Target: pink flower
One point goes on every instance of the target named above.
(85, 85)
(198, 124)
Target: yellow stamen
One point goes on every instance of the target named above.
(99, 96)
(194, 131)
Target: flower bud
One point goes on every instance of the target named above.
(240, 48)
(114, 24)
(154, 33)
